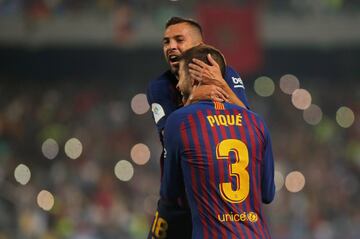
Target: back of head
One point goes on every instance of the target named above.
(201, 52)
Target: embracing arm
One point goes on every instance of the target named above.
(207, 92)
(211, 75)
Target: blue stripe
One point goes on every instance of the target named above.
(216, 169)
(247, 142)
(188, 179)
(207, 182)
(204, 184)
(233, 179)
(195, 166)
(257, 178)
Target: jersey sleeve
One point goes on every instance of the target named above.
(267, 182)
(172, 186)
(235, 82)
(161, 95)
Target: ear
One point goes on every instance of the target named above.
(194, 82)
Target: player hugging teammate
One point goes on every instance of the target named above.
(218, 166)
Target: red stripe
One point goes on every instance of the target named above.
(206, 194)
(247, 206)
(201, 174)
(233, 135)
(212, 171)
(216, 141)
(247, 201)
(185, 141)
(257, 197)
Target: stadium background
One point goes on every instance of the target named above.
(78, 149)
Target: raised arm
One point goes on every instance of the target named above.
(211, 75)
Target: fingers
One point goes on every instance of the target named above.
(196, 71)
(200, 63)
(203, 64)
(218, 94)
(212, 61)
(195, 67)
(222, 92)
(218, 99)
(199, 72)
(211, 71)
(195, 75)
(209, 92)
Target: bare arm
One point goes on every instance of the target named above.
(211, 75)
(207, 92)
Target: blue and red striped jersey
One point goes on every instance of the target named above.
(219, 157)
(164, 98)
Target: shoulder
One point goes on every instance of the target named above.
(253, 115)
(258, 121)
(233, 75)
(162, 84)
(174, 124)
(165, 79)
(162, 87)
(180, 115)
(246, 112)
(191, 109)
(229, 71)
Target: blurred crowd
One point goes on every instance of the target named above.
(329, 158)
(91, 202)
(51, 8)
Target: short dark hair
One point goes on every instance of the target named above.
(178, 20)
(200, 52)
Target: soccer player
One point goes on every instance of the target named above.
(219, 157)
(181, 34)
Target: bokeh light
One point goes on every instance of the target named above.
(124, 170)
(345, 117)
(312, 115)
(139, 104)
(279, 180)
(301, 99)
(140, 154)
(22, 174)
(264, 86)
(50, 148)
(45, 200)
(295, 181)
(73, 148)
(289, 83)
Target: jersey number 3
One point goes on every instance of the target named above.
(237, 170)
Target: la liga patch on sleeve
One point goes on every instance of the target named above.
(158, 111)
